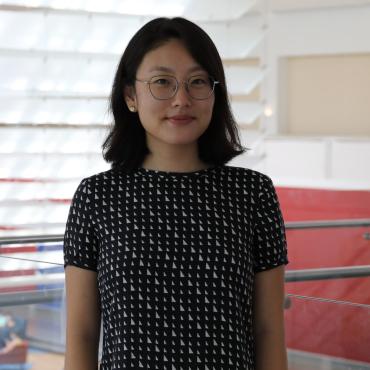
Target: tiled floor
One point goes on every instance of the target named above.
(45, 361)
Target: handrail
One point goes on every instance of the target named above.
(290, 276)
(31, 297)
(31, 239)
(37, 279)
(46, 295)
(327, 273)
(321, 224)
(291, 225)
(50, 295)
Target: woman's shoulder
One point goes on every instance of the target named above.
(102, 177)
(253, 182)
(247, 173)
(97, 182)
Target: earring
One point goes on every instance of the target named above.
(132, 109)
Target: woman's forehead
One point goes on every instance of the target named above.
(170, 57)
(168, 69)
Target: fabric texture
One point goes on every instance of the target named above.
(176, 255)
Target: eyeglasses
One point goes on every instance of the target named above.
(165, 87)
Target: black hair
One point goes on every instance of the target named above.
(125, 145)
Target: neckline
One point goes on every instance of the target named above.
(147, 171)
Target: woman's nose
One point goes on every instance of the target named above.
(182, 96)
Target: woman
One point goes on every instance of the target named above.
(182, 255)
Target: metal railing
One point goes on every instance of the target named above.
(291, 225)
(324, 224)
(49, 295)
(327, 273)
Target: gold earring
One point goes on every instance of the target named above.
(132, 109)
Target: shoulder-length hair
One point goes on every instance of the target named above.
(125, 145)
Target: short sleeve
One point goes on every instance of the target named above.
(269, 238)
(80, 246)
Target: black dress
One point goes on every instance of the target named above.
(175, 255)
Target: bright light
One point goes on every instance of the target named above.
(19, 84)
(142, 7)
(86, 87)
(61, 4)
(80, 117)
(34, 3)
(46, 85)
(171, 10)
(56, 42)
(150, 7)
(61, 86)
(13, 117)
(268, 111)
(98, 6)
(42, 117)
(93, 45)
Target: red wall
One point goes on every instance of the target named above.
(341, 330)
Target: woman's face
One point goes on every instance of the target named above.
(180, 119)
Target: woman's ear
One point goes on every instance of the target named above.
(130, 98)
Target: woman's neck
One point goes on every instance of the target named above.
(152, 164)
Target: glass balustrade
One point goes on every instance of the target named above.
(325, 334)
(32, 310)
(327, 313)
(327, 307)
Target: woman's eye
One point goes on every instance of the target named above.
(199, 81)
(161, 81)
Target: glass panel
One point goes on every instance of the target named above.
(32, 307)
(324, 334)
(321, 333)
(330, 248)
(32, 318)
(328, 320)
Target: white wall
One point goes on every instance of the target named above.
(317, 162)
(311, 32)
(322, 162)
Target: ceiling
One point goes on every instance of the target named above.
(296, 5)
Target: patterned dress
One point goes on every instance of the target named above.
(176, 255)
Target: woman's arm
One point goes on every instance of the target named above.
(269, 320)
(83, 319)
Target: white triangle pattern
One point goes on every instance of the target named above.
(176, 255)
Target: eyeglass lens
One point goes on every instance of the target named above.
(165, 87)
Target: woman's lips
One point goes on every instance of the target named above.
(180, 119)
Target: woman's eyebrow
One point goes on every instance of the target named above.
(170, 70)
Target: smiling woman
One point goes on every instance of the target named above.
(172, 117)
(176, 53)
(181, 254)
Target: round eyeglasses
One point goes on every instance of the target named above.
(165, 87)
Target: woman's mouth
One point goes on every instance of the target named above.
(180, 120)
